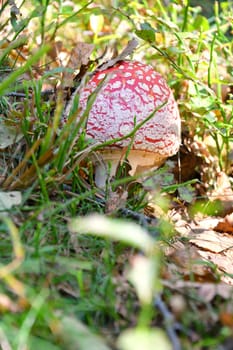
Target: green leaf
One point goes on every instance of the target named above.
(146, 33)
(37, 343)
(201, 23)
(187, 193)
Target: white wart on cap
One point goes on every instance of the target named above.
(131, 93)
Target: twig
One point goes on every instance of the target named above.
(16, 94)
(169, 322)
(142, 219)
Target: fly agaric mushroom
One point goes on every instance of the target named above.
(132, 92)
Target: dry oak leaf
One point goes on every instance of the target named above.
(128, 50)
(216, 248)
(226, 319)
(212, 241)
(225, 225)
(206, 290)
(79, 56)
(223, 261)
(185, 259)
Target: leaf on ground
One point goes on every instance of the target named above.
(223, 262)
(212, 241)
(213, 247)
(8, 135)
(9, 199)
(225, 225)
(116, 200)
(206, 290)
(80, 55)
(185, 260)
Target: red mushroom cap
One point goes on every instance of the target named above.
(132, 92)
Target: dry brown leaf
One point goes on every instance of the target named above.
(132, 44)
(207, 246)
(212, 241)
(200, 225)
(214, 247)
(186, 261)
(189, 162)
(225, 225)
(226, 319)
(223, 260)
(79, 56)
(55, 49)
(206, 290)
(116, 200)
(223, 187)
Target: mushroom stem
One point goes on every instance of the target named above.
(106, 168)
(139, 161)
(142, 161)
